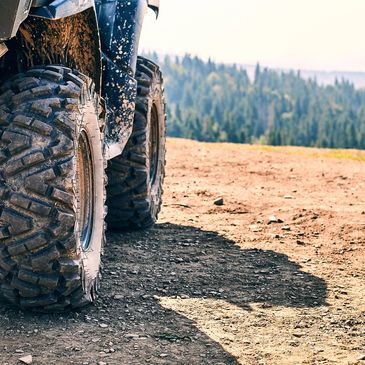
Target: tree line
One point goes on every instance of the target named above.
(219, 103)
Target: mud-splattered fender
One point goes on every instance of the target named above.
(120, 24)
(72, 41)
(120, 90)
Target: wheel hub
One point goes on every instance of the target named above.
(85, 187)
(154, 144)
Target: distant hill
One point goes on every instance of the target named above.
(357, 78)
(322, 77)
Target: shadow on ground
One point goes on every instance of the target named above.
(128, 326)
(178, 260)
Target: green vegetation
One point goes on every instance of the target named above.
(219, 103)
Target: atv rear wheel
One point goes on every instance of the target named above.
(136, 176)
(51, 190)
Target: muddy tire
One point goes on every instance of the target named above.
(136, 176)
(51, 190)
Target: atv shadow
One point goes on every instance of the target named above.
(128, 325)
(191, 262)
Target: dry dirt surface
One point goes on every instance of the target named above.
(275, 275)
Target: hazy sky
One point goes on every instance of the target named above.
(300, 34)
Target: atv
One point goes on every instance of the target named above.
(78, 109)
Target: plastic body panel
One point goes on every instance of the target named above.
(12, 14)
(62, 8)
(120, 24)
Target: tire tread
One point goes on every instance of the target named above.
(39, 263)
(128, 200)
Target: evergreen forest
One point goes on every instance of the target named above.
(219, 103)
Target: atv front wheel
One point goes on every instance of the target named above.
(136, 176)
(51, 190)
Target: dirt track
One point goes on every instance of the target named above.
(218, 284)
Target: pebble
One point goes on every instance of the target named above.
(286, 228)
(255, 228)
(219, 202)
(273, 219)
(103, 325)
(26, 359)
(361, 358)
(288, 197)
(131, 336)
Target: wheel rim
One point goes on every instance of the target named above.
(154, 144)
(85, 189)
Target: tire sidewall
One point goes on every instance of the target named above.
(91, 256)
(156, 101)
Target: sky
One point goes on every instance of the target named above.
(324, 35)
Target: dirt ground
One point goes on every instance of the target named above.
(225, 284)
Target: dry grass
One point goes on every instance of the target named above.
(345, 154)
